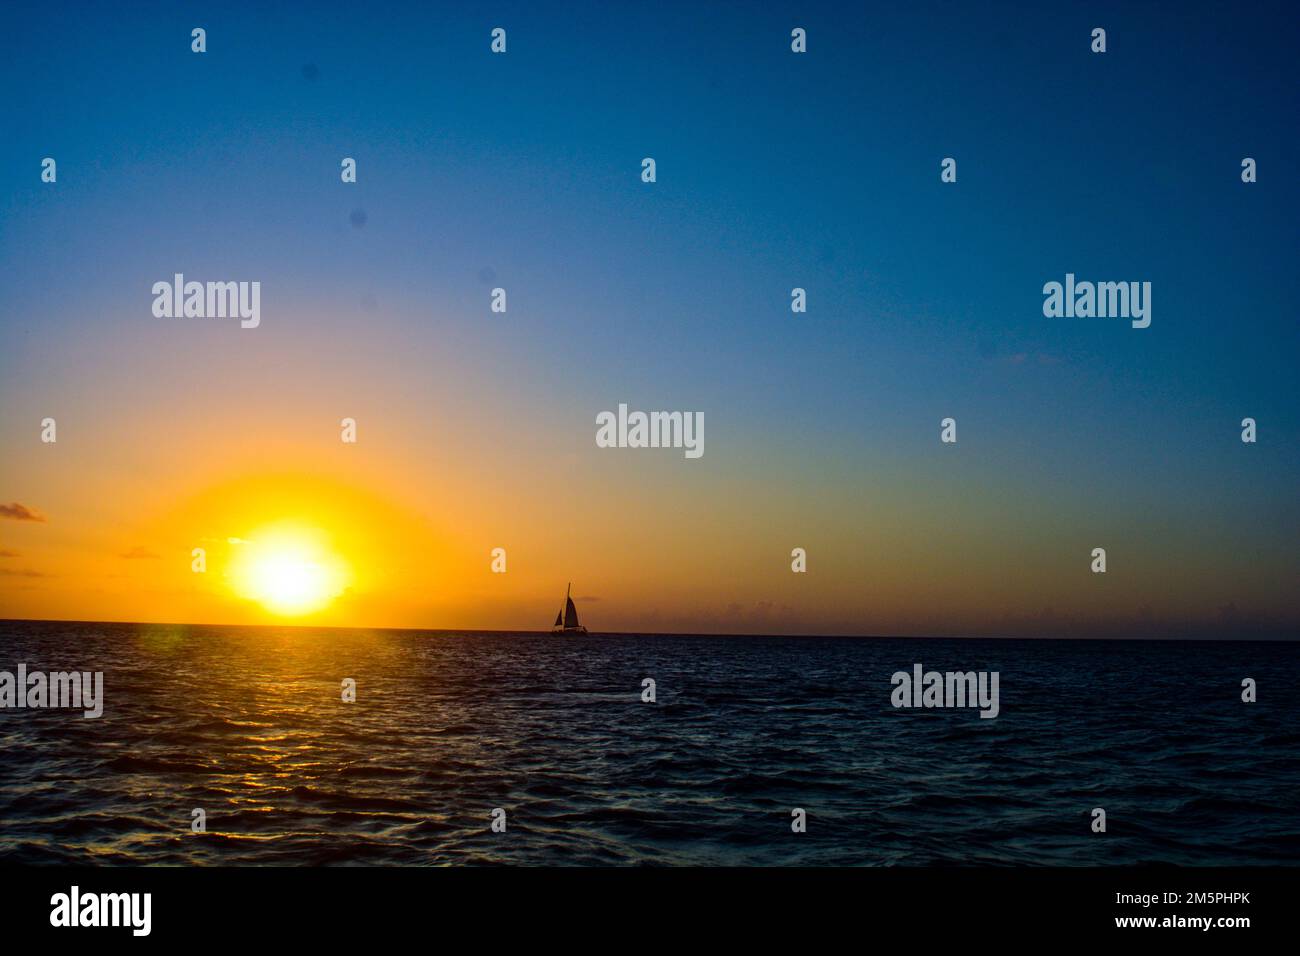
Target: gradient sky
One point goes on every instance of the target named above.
(775, 170)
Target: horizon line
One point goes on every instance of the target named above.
(741, 634)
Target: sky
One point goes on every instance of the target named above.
(774, 170)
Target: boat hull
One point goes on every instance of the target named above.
(569, 630)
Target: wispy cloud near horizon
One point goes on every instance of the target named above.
(17, 512)
(139, 552)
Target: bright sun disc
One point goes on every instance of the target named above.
(288, 571)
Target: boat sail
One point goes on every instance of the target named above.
(566, 622)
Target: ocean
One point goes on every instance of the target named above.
(247, 725)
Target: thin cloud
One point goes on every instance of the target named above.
(19, 512)
(1024, 358)
(6, 553)
(139, 552)
(25, 573)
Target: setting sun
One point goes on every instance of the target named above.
(288, 570)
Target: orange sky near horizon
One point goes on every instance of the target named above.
(653, 542)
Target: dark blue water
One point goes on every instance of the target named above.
(247, 724)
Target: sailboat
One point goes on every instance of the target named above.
(566, 622)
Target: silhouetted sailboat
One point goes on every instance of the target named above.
(566, 622)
